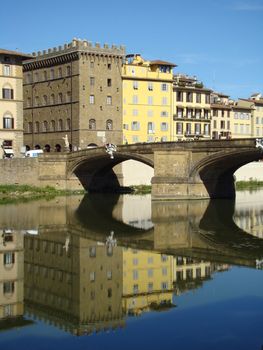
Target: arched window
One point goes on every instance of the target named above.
(47, 148)
(68, 70)
(30, 127)
(68, 124)
(58, 148)
(52, 99)
(68, 96)
(109, 124)
(45, 126)
(36, 101)
(37, 127)
(60, 125)
(52, 125)
(60, 97)
(36, 77)
(44, 100)
(92, 124)
(59, 72)
(37, 147)
(45, 75)
(52, 73)
(8, 121)
(28, 102)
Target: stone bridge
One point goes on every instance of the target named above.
(196, 169)
(181, 169)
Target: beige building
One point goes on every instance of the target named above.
(11, 102)
(256, 102)
(11, 274)
(241, 119)
(191, 109)
(73, 282)
(221, 117)
(73, 96)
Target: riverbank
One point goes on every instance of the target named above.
(24, 193)
(249, 185)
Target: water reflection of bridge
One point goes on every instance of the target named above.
(78, 282)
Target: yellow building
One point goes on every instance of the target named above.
(241, 119)
(191, 109)
(147, 100)
(147, 281)
(11, 102)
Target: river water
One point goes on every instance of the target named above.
(123, 272)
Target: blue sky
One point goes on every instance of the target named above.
(219, 41)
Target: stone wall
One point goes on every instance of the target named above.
(22, 171)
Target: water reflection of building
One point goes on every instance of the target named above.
(250, 220)
(147, 281)
(11, 277)
(73, 282)
(191, 273)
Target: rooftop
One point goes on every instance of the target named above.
(14, 53)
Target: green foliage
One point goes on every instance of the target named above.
(141, 189)
(248, 185)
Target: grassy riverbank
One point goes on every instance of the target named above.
(141, 189)
(24, 193)
(248, 185)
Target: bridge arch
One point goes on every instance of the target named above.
(216, 171)
(94, 169)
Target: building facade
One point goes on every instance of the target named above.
(147, 100)
(191, 109)
(221, 117)
(73, 96)
(241, 119)
(11, 102)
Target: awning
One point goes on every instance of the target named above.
(8, 151)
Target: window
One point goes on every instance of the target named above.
(164, 285)
(36, 77)
(126, 126)
(164, 87)
(109, 275)
(150, 113)
(189, 97)
(150, 272)
(109, 124)
(188, 128)
(179, 112)
(150, 128)
(52, 99)
(135, 112)
(44, 126)
(91, 64)
(60, 97)
(198, 98)
(198, 113)
(92, 81)
(179, 96)
(135, 274)
(150, 86)
(164, 114)
(135, 85)
(189, 112)
(52, 125)
(207, 98)
(60, 125)
(92, 276)
(28, 102)
(8, 93)
(92, 99)
(68, 124)
(30, 127)
(52, 73)
(8, 287)
(44, 100)
(92, 124)
(109, 65)
(164, 101)
(109, 100)
(150, 100)
(164, 126)
(135, 125)
(135, 289)
(45, 75)
(215, 113)
(7, 70)
(68, 97)
(135, 261)
(222, 124)
(197, 129)
(9, 258)
(60, 72)
(164, 271)
(68, 70)
(207, 129)
(92, 252)
(36, 127)
(8, 122)
(135, 138)
(179, 128)
(134, 99)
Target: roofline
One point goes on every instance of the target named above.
(14, 53)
